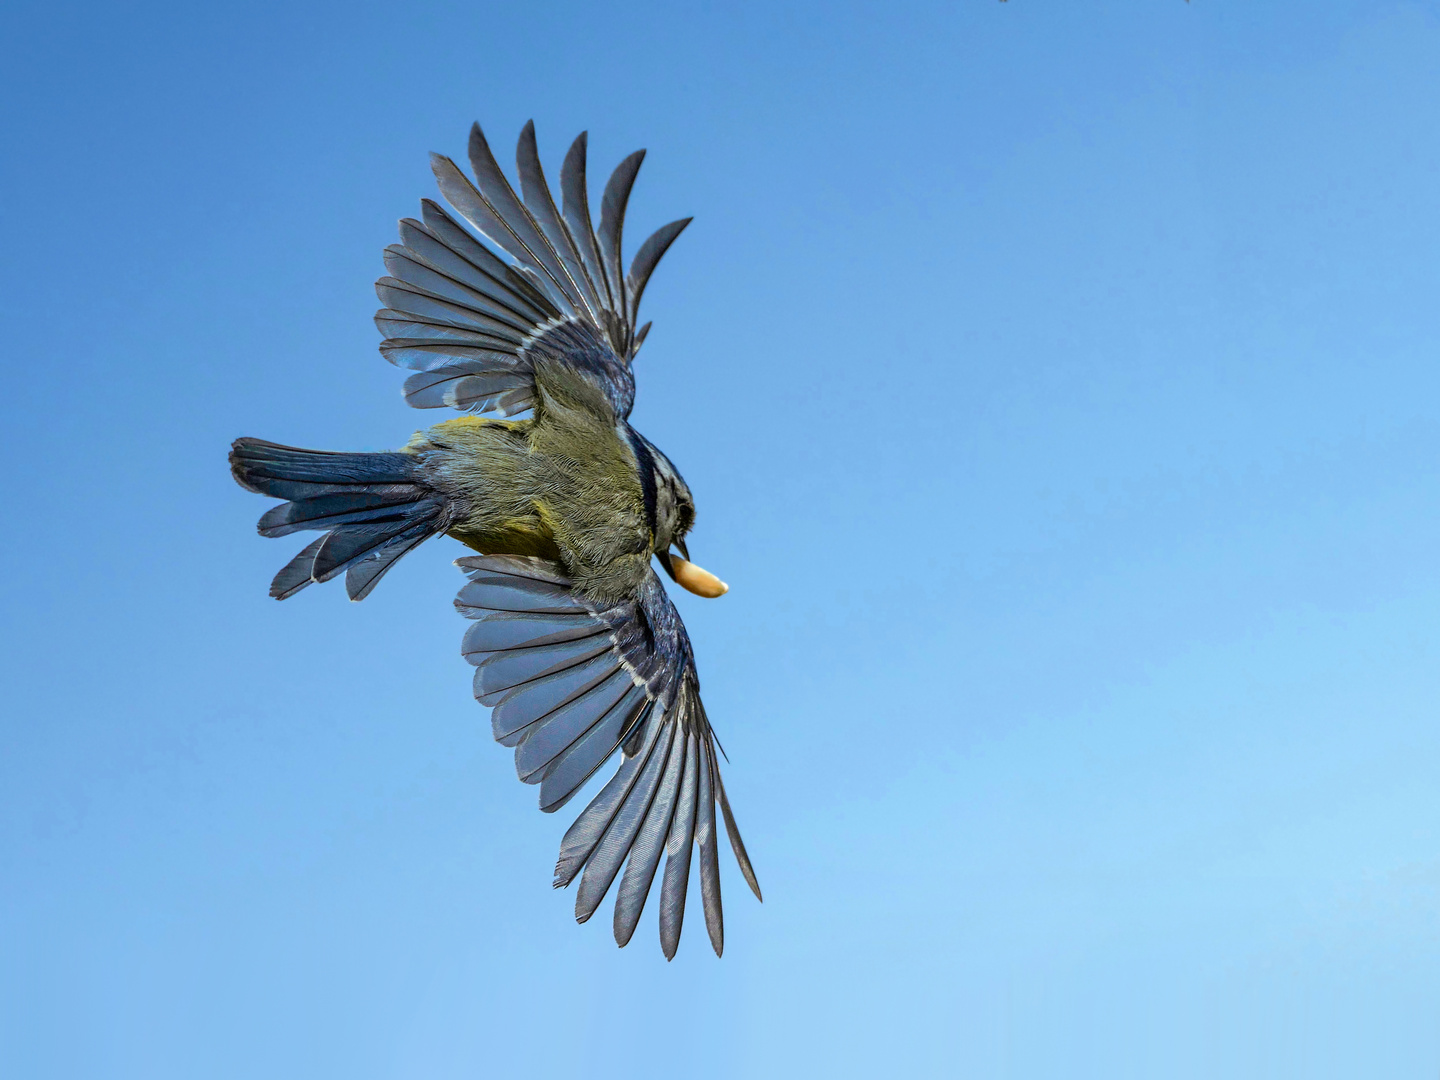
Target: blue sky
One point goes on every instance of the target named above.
(1058, 385)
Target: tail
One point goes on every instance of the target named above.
(373, 508)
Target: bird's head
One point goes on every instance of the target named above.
(671, 512)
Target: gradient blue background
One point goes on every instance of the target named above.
(1059, 387)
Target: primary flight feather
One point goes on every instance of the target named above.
(577, 649)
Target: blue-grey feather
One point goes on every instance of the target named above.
(521, 294)
(297, 573)
(472, 205)
(337, 508)
(570, 770)
(256, 462)
(480, 354)
(517, 631)
(614, 846)
(541, 205)
(587, 830)
(504, 592)
(612, 225)
(706, 840)
(544, 698)
(640, 336)
(482, 394)
(576, 202)
(539, 255)
(362, 577)
(397, 294)
(737, 845)
(647, 847)
(376, 506)
(499, 672)
(442, 386)
(403, 265)
(644, 263)
(538, 696)
(400, 326)
(515, 401)
(348, 544)
(678, 846)
(424, 246)
(527, 567)
(558, 731)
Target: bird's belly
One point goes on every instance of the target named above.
(513, 537)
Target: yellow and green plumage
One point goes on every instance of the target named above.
(564, 485)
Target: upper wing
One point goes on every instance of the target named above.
(571, 682)
(469, 323)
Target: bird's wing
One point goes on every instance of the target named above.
(470, 321)
(571, 682)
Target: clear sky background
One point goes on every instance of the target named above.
(1058, 385)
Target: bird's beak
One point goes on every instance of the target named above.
(689, 576)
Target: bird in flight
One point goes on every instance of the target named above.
(577, 649)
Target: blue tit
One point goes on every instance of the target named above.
(577, 649)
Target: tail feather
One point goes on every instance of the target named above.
(262, 466)
(338, 508)
(296, 574)
(364, 575)
(348, 544)
(374, 508)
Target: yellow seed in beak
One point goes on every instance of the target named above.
(699, 581)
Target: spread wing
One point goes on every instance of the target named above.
(470, 321)
(571, 682)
